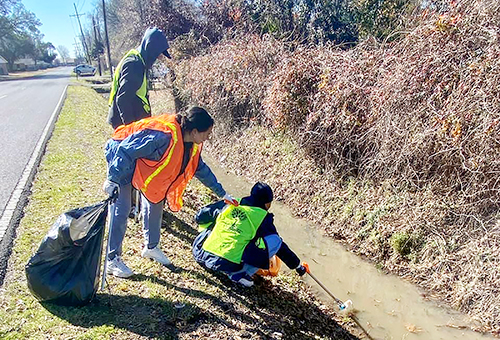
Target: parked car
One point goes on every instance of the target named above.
(84, 69)
(158, 72)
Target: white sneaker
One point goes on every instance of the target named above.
(117, 268)
(246, 282)
(155, 254)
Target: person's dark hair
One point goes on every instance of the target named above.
(262, 193)
(195, 118)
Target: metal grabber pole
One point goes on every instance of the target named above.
(343, 306)
(111, 215)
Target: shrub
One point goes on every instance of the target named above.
(421, 114)
(294, 84)
(405, 244)
(231, 79)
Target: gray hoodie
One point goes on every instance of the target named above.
(127, 107)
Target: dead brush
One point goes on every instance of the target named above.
(414, 122)
(231, 79)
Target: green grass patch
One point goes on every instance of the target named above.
(406, 244)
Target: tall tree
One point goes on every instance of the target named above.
(14, 46)
(47, 52)
(18, 31)
(7, 5)
(63, 53)
(381, 18)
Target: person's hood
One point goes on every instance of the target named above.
(152, 45)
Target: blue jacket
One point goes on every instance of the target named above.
(149, 144)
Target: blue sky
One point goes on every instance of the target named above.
(57, 25)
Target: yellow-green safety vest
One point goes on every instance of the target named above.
(234, 228)
(141, 92)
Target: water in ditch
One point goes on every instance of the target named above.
(389, 308)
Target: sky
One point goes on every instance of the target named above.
(57, 25)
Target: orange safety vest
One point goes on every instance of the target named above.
(162, 179)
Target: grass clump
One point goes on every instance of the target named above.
(405, 244)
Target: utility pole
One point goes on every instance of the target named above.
(83, 37)
(107, 40)
(78, 53)
(97, 43)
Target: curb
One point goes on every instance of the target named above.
(13, 211)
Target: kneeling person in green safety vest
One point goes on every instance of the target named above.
(240, 240)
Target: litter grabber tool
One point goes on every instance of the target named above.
(343, 306)
(111, 199)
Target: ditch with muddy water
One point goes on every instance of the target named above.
(388, 307)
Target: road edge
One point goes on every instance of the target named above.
(15, 206)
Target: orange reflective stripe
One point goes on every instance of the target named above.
(167, 160)
(175, 200)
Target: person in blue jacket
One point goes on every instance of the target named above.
(151, 145)
(129, 100)
(238, 240)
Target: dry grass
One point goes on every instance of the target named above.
(378, 144)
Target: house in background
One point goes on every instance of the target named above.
(3, 66)
(24, 64)
(72, 61)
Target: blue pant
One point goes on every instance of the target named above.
(273, 243)
(231, 269)
(151, 214)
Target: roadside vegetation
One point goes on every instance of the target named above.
(185, 302)
(20, 36)
(377, 120)
(390, 144)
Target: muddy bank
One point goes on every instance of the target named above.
(387, 306)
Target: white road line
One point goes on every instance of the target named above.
(3, 96)
(14, 208)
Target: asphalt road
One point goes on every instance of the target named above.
(26, 106)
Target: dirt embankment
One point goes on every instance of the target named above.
(392, 149)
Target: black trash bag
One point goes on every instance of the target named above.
(65, 269)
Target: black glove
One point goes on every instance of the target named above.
(301, 270)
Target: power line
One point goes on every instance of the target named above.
(82, 5)
(83, 37)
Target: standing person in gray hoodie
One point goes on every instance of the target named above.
(128, 100)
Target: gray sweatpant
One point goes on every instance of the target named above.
(151, 214)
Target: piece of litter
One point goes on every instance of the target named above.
(277, 335)
(413, 329)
